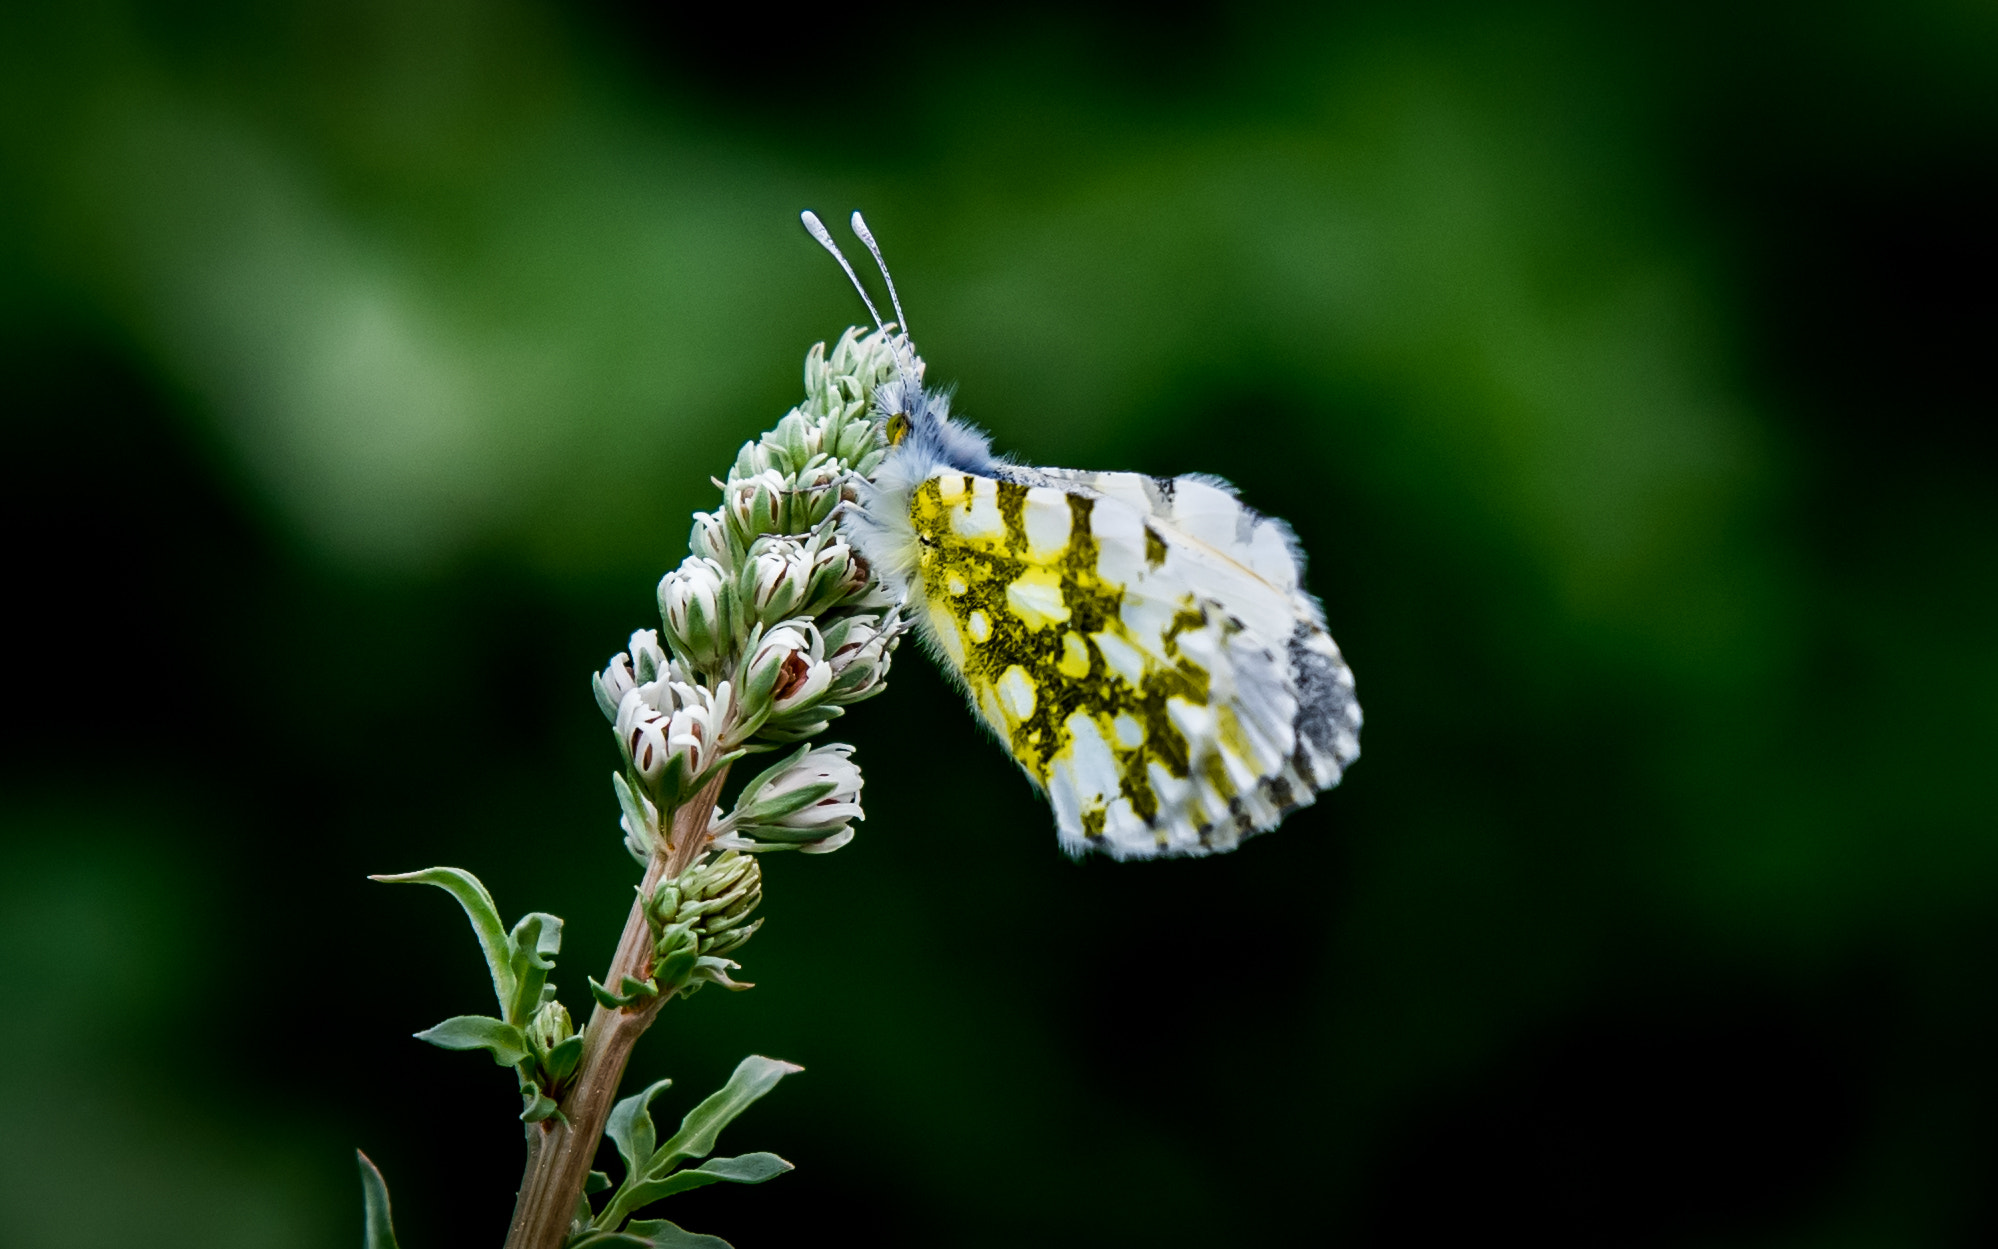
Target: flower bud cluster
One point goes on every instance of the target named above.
(699, 916)
(773, 625)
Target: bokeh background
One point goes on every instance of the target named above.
(1627, 376)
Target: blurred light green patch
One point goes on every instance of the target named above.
(122, 1133)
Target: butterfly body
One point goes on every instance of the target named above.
(1142, 646)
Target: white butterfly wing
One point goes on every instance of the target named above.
(1211, 702)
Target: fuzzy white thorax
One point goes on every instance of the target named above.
(877, 524)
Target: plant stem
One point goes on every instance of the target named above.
(559, 1154)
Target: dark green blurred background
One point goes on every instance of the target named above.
(1627, 377)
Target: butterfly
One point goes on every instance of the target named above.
(1142, 646)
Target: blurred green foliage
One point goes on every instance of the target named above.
(1621, 374)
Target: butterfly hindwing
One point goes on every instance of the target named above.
(1218, 537)
(1140, 646)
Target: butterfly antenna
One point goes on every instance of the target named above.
(817, 229)
(867, 237)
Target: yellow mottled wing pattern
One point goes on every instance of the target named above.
(1141, 648)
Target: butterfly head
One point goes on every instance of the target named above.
(922, 435)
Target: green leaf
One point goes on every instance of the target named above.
(535, 941)
(375, 1203)
(595, 1182)
(753, 1077)
(748, 1169)
(633, 808)
(634, 992)
(661, 1234)
(643, 1184)
(672, 787)
(539, 1106)
(630, 1128)
(506, 1043)
(479, 908)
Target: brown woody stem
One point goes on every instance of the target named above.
(559, 1154)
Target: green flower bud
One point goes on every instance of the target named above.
(754, 458)
(796, 438)
(856, 439)
(557, 1048)
(550, 1027)
(701, 915)
(840, 388)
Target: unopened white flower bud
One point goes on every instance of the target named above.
(859, 651)
(775, 579)
(807, 800)
(695, 605)
(628, 669)
(819, 791)
(667, 732)
(838, 573)
(804, 680)
(709, 539)
(612, 684)
(779, 657)
(648, 660)
(756, 505)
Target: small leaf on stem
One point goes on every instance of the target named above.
(479, 908)
(502, 1040)
(630, 1127)
(375, 1201)
(664, 1234)
(753, 1077)
(534, 943)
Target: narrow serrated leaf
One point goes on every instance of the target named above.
(380, 1228)
(479, 908)
(506, 1043)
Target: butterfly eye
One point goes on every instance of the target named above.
(898, 429)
